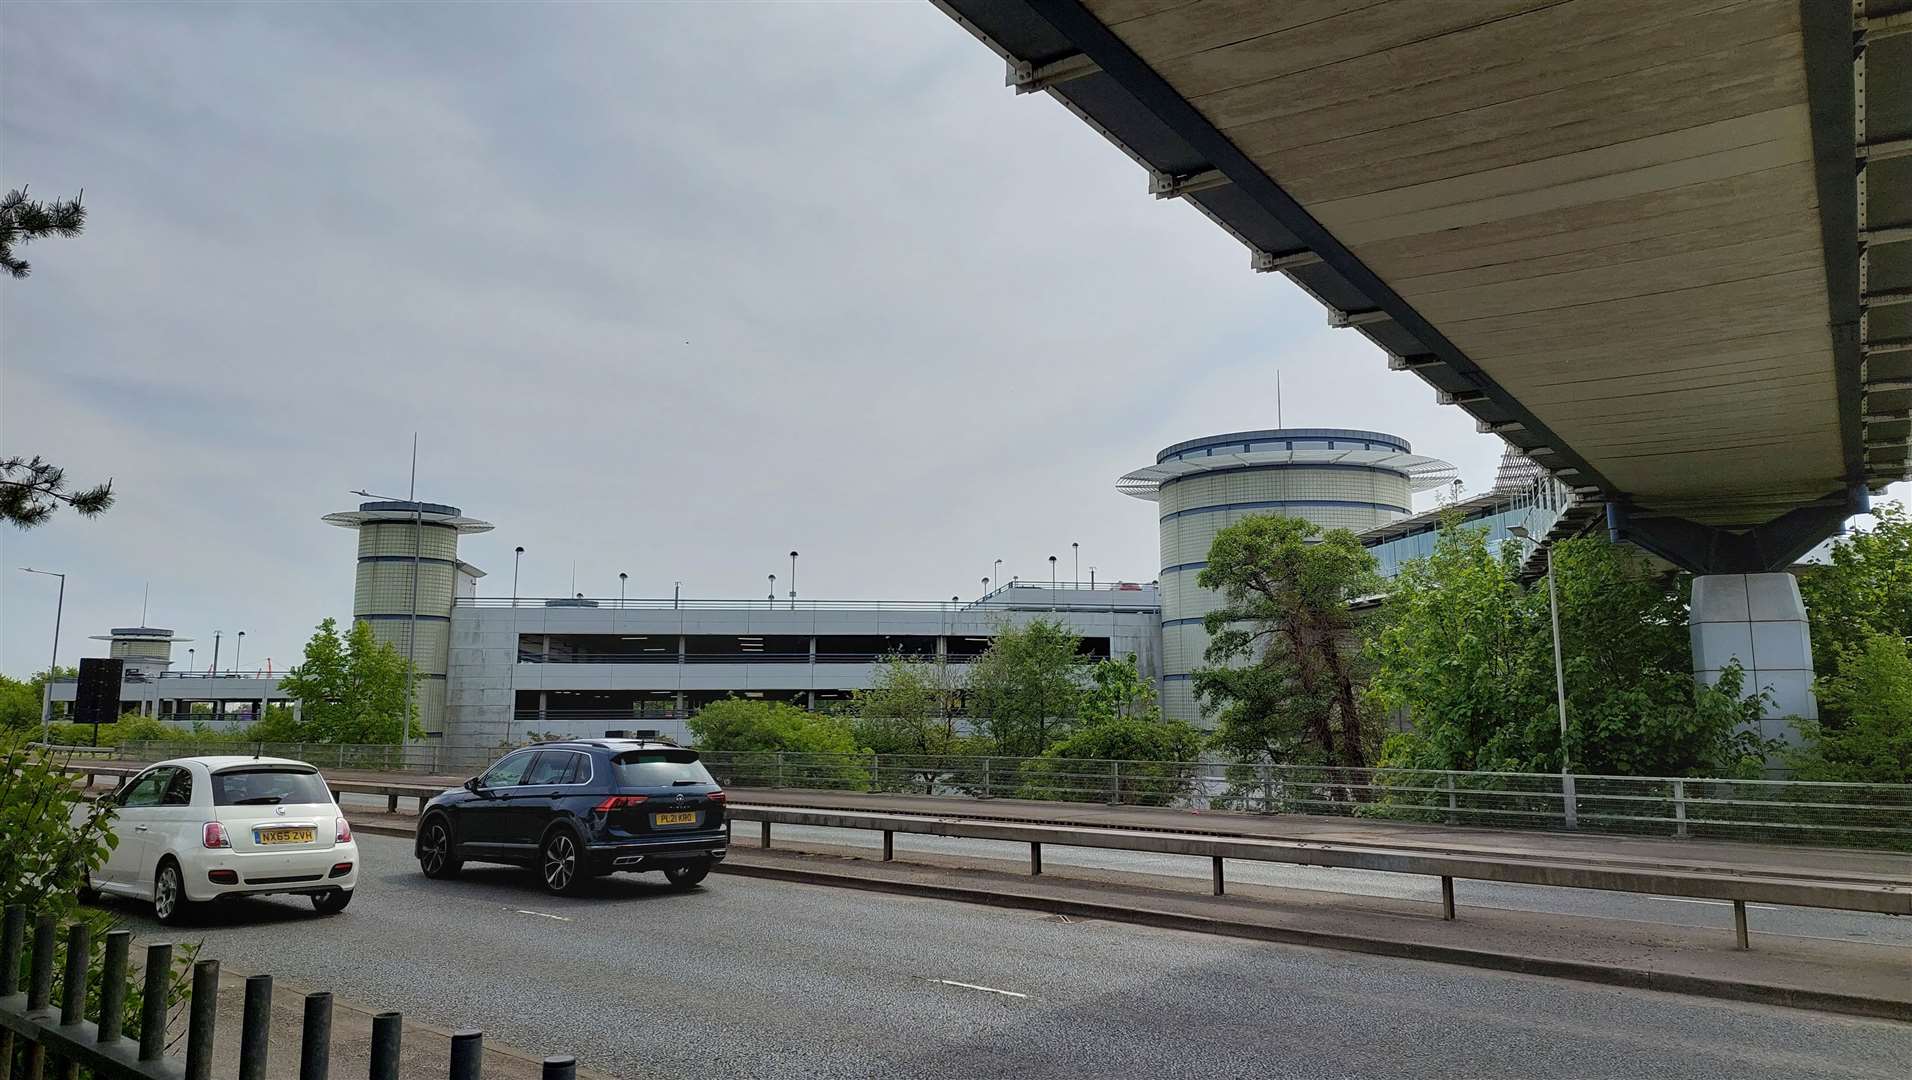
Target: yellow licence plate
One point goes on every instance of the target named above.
(285, 836)
(688, 817)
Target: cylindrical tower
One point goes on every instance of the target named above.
(1337, 478)
(390, 534)
(147, 650)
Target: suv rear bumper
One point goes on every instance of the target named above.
(653, 854)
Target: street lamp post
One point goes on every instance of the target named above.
(773, 591)
(53, 665)
(1570, 811)
(1052, 583)
(215, 651)
(516, 554)
(793, 581)
(995, 573)
(238, 645)
(621, 575)
(1075, 579)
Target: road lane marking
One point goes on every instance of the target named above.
(541, 915)
(1711, 903)
(984, 989)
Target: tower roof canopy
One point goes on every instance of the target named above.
(404, 511)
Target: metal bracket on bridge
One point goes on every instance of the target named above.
(1173, 186)
(1027, 77)
(1707, 549)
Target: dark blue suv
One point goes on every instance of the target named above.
(581, 809)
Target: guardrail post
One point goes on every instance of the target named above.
(560, 1068)
(1739, 925)
(1679, 808)
(73, 984)
(255, 1028)
(1569, 803)
(467, 1055)
(39, 989)
(315, 1041)
(1218, 874)
(1035, 858)
(765, 842)
(40, 973)
(113, 986)
(387, 1030)
(152, 1005)
(889, 844)
(204, 1014)
(11, 941)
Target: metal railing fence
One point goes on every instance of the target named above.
(1786, 811)
(62, 1041)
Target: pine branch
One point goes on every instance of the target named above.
(23, 220)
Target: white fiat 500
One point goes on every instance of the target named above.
(198, 829)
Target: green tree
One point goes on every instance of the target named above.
(1117, 691)
(31, 489)
(1025, 687)
(1866, 589)
(771, 744)
(1867, 737)
(20, 699)
(909, 713)
(1466, 656)
(350, 689)
(909, 707)
(1284, 675)
(1147, 763)
(55, 835)
(24, 220)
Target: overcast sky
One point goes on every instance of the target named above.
(666, 289)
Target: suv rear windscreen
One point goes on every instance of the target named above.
(660, 768)
(268, 786)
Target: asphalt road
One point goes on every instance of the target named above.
(1854, 926)
(753, 978)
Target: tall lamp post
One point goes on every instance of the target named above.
(773, 591)
(621, 576)
(1569, 811)
(238, 644)
(215, 651)
(793, 581)
(46, 697)
(1052, 583)
(1075, 579)
(995, 573)
(516, 554)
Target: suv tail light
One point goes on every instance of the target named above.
(716, 796)
(213, 835)
(619, 802)
(342, 832)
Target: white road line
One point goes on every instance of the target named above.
(1711, 903)
(984, 989)
(541, 915)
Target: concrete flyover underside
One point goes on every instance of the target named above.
(1664, 249)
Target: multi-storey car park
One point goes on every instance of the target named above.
(496, 669)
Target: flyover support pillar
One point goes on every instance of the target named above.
(1758, 620)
